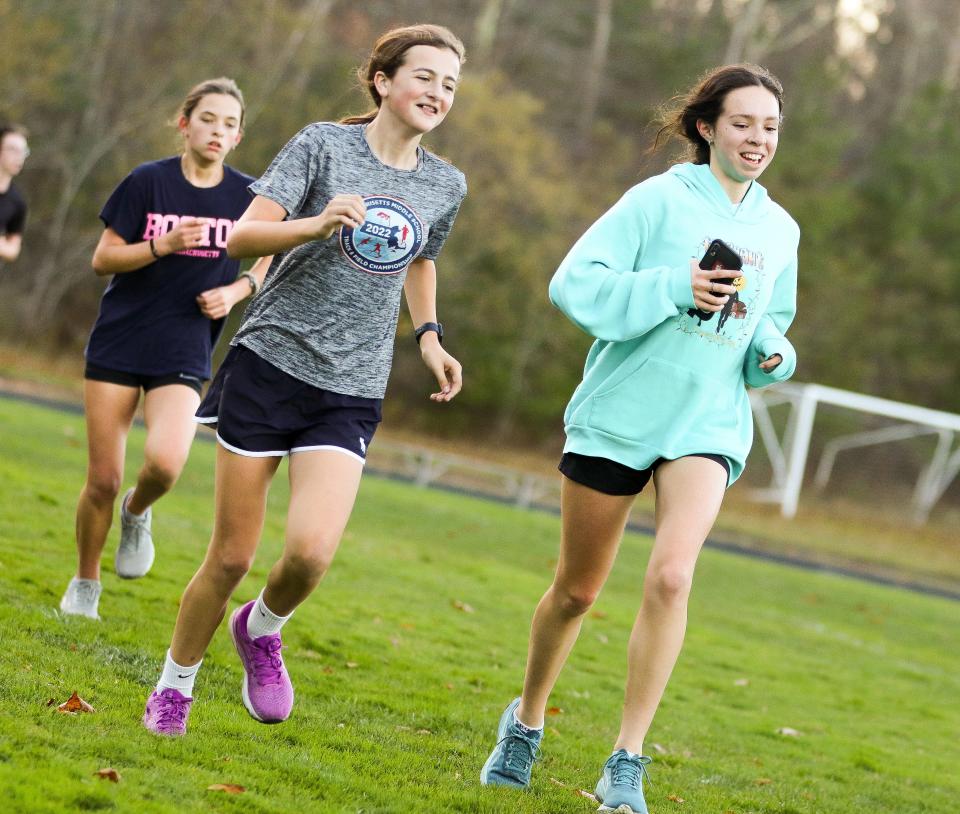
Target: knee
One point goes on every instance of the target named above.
(575, 600)
(669, 583)
(309, 566)
(228, 568)
(163, 470)
(103, 485)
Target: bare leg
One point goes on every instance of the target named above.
(593, 525)
(241, 500)
(323, 488)
(689, 494)
(168, 412)
(109, 412)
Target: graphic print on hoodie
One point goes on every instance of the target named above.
(658, 382)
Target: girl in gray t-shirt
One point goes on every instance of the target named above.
(354, 213)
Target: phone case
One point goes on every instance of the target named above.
(717, 256)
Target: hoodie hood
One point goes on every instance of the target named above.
(701, 181)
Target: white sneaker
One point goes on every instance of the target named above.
(135, 554)
(81, 598)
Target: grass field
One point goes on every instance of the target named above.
(405, 656)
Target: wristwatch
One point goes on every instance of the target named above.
(436, 327)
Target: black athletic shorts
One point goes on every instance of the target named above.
(614, 478)
(103, 374)
(261, 411)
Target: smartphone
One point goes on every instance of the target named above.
(720, 256)
(717, 256)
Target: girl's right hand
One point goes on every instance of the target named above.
(189, 234)
(343, 210)
(708, 295)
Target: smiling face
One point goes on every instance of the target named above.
(744, 138)
(213, 128)
(419, 95)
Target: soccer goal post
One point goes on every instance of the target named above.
(788, 452)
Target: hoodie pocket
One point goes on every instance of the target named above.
(656, 402)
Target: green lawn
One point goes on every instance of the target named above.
(399, 689)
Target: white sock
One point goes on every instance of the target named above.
(262, 621)
(524, 726)
(177, 677)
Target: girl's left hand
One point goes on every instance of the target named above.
(215, 303)
(447, 369)
(769, 364)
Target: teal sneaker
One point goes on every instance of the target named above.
(511, 760)
(621, 785)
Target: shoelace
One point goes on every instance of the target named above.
(138, 521)
(172, 710)
(267, 662)
(627, 771)
(519, 753)
(86, 593)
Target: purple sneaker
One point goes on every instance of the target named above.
(167, 712)
(267, 691)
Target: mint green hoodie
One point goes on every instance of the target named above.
(658, 382)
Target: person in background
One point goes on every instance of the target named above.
(14, 151)
(165, 243)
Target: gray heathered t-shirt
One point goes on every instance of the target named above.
(327, 313)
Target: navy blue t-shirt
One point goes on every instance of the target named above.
(149, 320)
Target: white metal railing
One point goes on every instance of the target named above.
(788, 458)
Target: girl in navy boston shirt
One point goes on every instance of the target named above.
(167, 225)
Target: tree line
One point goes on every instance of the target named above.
(551, 125)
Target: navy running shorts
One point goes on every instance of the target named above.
(613, 478)
(260, 411)
(104, 374)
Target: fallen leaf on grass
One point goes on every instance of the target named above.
(424, 732)
(603, 638)
(587, 794)
(554, 711)
(75, 704)
(352, 665)
(557, 782)
(108, 774)
(598, 614)
(788, 732)
(463, 606)
(658, 748)
(741, 682)
(51, 702)
(763, 781)
(673, 798)
(327, 670)
(229, 788)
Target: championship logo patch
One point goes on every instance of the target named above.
(391, 237)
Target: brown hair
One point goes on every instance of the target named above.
(704, 102)
(389, 53)
(222, 85)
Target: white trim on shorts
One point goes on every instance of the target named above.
(332, 448)
(283, 453)
(280, 453)
(198, 419)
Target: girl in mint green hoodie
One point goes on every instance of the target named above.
(663, 396)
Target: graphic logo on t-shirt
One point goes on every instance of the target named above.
(391, 236)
